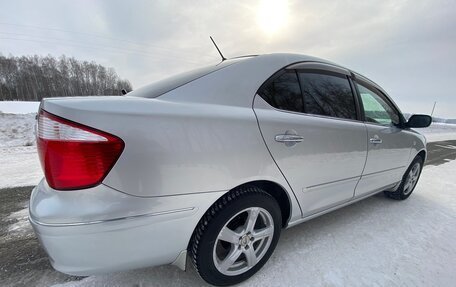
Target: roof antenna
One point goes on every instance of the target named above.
(221, 55)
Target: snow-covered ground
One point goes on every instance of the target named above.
(22, 224)
(439, 132)
(19, 166)
(17, 130)
(375, 242)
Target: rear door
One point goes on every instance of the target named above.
(389, 145)
(308, 117)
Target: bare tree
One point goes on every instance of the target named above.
(31, 78)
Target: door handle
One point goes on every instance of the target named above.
(289, 138)
(376, 140)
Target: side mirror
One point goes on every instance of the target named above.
(419, 121)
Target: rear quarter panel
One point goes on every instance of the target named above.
(174, 148)
(190, 148)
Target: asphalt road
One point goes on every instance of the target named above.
(441, 152)
(24, 263)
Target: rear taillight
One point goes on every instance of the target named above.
(74, 156)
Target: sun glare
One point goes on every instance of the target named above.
(272, 15)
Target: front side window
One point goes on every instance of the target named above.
(283, 92)
(327, 95)
(376, 109)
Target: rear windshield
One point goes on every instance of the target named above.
(161, 87)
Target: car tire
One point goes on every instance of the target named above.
(236, 236)
(409, 181)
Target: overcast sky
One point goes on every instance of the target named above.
(408, 47)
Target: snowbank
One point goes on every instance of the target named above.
(19, 166)
(19, 107)
(375, 242)
(17, 123)
(17, 130)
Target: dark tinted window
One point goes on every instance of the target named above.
(283, 92)
(327, 95)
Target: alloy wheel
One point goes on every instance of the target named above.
(412, 178)
(243, 241)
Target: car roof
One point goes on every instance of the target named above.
(231, 82)
(163, 86)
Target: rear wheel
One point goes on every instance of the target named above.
(236, 236)
(409, 181)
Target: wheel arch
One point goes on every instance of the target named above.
(277, 192)
(423, 154)
(274, 189)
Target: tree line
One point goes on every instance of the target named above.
(32, 78)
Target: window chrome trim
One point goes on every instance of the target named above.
(320, 67)
(392, 125)
(351, 77)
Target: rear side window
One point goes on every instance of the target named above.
(283, 92)
(327, 95)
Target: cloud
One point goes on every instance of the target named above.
(408, 47)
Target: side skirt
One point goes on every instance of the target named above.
(355, 199)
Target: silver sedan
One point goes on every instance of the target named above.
(212, 164)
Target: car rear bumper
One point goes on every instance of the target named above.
(86, 241)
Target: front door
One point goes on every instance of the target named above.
(388, 145)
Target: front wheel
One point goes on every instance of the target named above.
(236, 236)
(409, 181)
